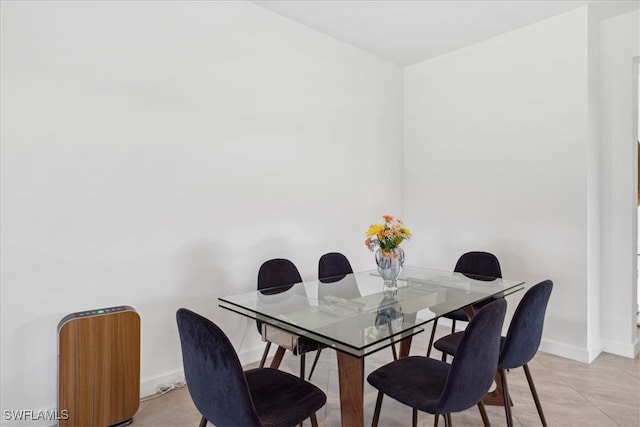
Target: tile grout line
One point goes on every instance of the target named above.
(585, 397)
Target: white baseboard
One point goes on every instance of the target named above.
(629, 350)
(572, 352)
(149, 385)
(622, 349)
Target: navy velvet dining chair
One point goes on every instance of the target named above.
(477, 265)
(226, 395)
(332, 267)
(334, 278)
(520, 344)
(275, 276)
(437, 387)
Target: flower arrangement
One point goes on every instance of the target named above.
(387, 235)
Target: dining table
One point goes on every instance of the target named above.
(357, 314)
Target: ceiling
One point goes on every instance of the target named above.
(409, 31)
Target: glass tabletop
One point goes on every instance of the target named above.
(351, 313)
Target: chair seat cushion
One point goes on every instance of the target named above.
(449, 343)
(282, 399)
(415, 381)
(461, 315)
(306, 345)
(458, 315)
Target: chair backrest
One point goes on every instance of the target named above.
(332, 267)
(277, 273)
(481, 264)
(476, 362)
(525, 331)
(215, 377)
(275, 276)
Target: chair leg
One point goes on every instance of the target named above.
(433, 334)
(535, 394)
(414, 421)
(203, 422)
(277, 358)
(302, 360)
(483, 414)
(435, 420)
(376, 412)
(447, 420)
(314, 420)
(264, 354)
(315, 362)
(453, 326)
(505, 397)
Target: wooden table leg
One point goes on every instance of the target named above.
(469, 311)
(405, 346)
(351, 375)
(277, 358)
(494, 397)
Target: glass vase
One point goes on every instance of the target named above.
(389, 316)
(389, 266)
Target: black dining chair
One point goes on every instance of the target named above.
(226, 395)
(332, 267)
(520, 344)
(478, 265)
(440, 388)
(334, 277)
(275, 276)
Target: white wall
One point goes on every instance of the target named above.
(524, 145)
(155, 153)
(620, 47)
(496, 159)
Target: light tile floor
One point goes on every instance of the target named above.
(573, 394)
